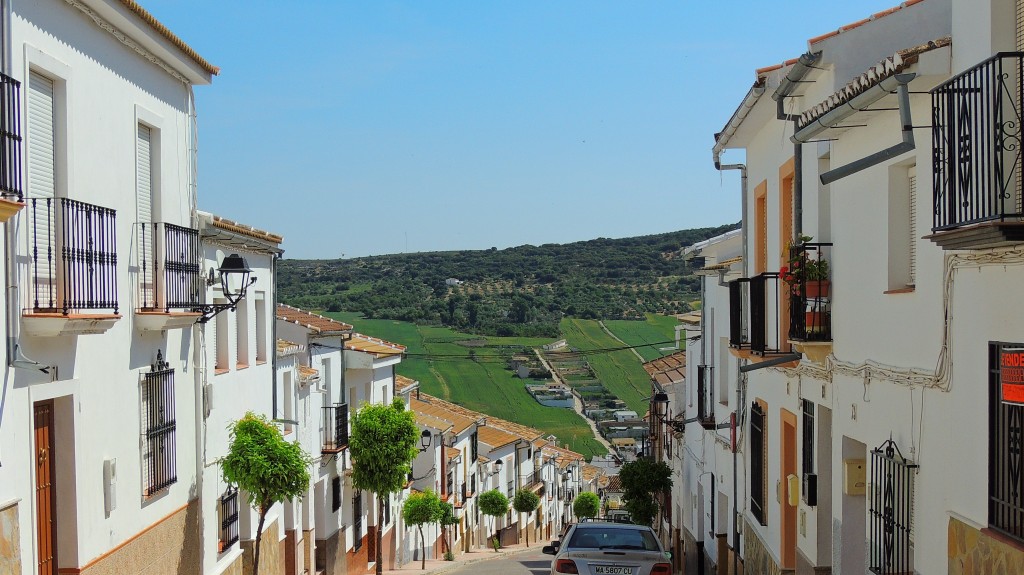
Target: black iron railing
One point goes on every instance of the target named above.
(529, 480)
(810, 292)
(84, 276)
(449, 483)
(10, 139)
(705, 395)
(892, 489)
(1006, 442)
(758, 467)
(170, 273)
(764, 314)
(228, 518)
(335, 428)
(976, 143)
(357, 520)
(465, 492)
(737, 313)
(159, 428)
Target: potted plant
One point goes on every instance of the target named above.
(806, 276)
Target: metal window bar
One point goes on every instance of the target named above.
(335, 428)
(335, 494)
(85, 276)
(229, 518)
(705, 394)
(807, 456)
(810, 308)
(737, 338)
(976, 143)
(892, 478)
(758, 469)
(1006, 454)
(465, 492)
(357, 520)
(764, 326)
(159, 428)
(472, 483)
(10, 139)
(181, 266)
(511, 487)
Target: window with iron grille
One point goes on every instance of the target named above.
(758, 467)
(889, 519)
(159, 469)
(1006, 434)
(807, 457)
(336, 494)
(228, 518)
(473, 447)
(357, 519)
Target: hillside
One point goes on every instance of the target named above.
(520, 291)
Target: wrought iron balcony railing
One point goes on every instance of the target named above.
(810, 307)
(10, 139)
(170, 271)
(531, 479)
(335, 428)
(74, 256)
(976, 144)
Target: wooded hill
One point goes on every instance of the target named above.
(520, 291)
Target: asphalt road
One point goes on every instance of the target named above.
(531, 562)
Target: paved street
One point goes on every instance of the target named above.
(531, 562)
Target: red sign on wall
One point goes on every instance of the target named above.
(1011, 375)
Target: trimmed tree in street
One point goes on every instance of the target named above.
(266, 466)
(641, 481)
(586, 504)
(494, 504)
(422, 508)
(382, 444)
(525, 501)
(446, 519)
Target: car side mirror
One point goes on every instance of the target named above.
(549, 550)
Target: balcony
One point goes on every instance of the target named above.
(11, 195)
(533, 481)
(757, 301)
(810, 301)
(705, 396)
(976, 156)
(334, 430)
(170, 276)
(73, 267)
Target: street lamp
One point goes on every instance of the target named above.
(497, 467)
(425, 439)
(235, 278)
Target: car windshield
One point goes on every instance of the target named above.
(609, 537)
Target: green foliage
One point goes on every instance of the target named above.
(586, 504)
(263, 464)
(620, 371)
(525, 501)
(383, 444)
(421, 508)
(493, 503)
(642, 479)
(522, 291)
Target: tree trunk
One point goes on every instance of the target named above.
(380, 534)
(259, 531)
(527, 525)
(423, 547)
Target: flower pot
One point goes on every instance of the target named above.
(817, 288)
(815, 321)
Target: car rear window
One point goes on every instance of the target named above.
(613, 538)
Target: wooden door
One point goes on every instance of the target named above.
(788, 512)
(46, 495)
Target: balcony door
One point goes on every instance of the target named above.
(42, 191)
(46, 494)
(144, 215)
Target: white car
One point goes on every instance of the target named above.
(594, 548)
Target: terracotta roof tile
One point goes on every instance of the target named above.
(170, 36)
(372, 345)
(859, 23)
(671, 362)
(459, 422)
(451, 452)
(495, 437)
(233, 226)
(316, 323)
(427, 420)
(285, 347)
(403, 383)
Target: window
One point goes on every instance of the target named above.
(357, 519)
(242, 334)
(221, 335)
(261, 327)
(890, 515)
(758, 461)
(1006, 428)
(723, 374)
(159, 463)
(336, 494)
(42, 187)
(144, 210)
(474, 445)
(807, 457)
(228, 518)
(903, 234)
(761, 228)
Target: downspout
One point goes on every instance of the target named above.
(273, 338)
(789, 83)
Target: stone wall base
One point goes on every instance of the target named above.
(271, 557)
(973, 551)
(10, 541)
(331, 555)
(756, 557)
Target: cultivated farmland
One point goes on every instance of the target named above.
(619, 371)
(656, 328)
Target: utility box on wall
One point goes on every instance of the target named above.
(855, 478)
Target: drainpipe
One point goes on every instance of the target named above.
(273, 338)
(793, 78)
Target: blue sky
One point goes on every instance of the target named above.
(367, 128)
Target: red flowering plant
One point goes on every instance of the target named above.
(802, 269)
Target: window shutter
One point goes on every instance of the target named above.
(42, 188)
(913, 225)
(144, 213)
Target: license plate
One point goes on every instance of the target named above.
(612, 570)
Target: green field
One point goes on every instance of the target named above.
(620, 371)
(480, 382)
(657, 328)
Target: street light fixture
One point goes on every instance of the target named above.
(235, 278)
(425, 439)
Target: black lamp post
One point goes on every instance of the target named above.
(235, 279)
(425, 438)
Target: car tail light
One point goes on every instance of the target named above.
(566, 566)
(661, 569)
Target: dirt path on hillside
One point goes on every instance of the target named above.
(577, 403)
(616, 338)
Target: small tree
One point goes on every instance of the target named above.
(586, 504)
(266, 466)
(382, 444)
(446, 519)
(495, 504)
(641, 481)
(525, 501)
(422, 508)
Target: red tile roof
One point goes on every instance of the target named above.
(314, 322)
(170, 36)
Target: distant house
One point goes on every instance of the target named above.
(451, 282)
(624, 414)
(554, 345)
